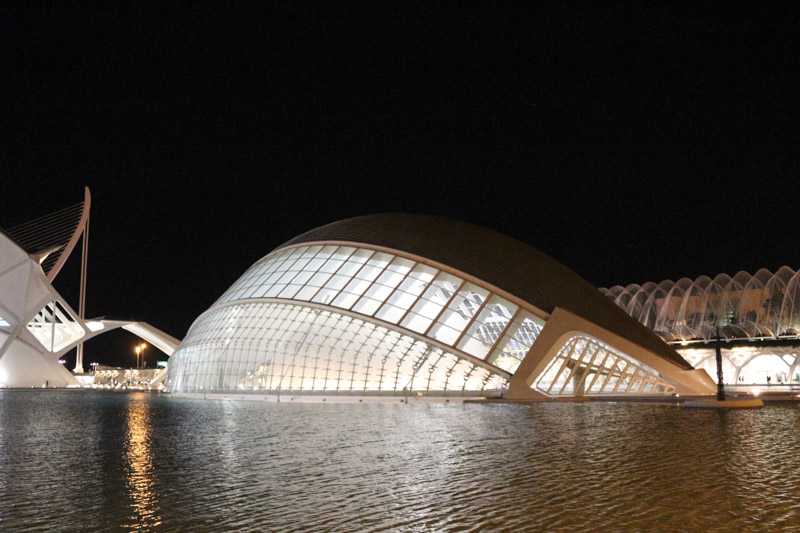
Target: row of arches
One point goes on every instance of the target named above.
(759, 305)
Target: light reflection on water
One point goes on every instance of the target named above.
(90, 461)
(145, 514)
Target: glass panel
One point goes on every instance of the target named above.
(390, 313)
(326, 252)
(484, 331)
(349, 269)
(444, 334)
(289, 291)
(463, 307)
(315, 264)
(356, 287)
(331, 265)
(400, 265)
(337, 282)
(366, 306)
(306, 293)
(319, 279)
(325, 296)
(343, 252)
(302, 278)
(416, 322)
(399, 299)
(368, 272)
(361, 255)
(345, 300)
(275, 290)
(379, 260)
(316, 352)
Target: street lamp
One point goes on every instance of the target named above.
(139, 349)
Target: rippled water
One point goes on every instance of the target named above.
(92, 461)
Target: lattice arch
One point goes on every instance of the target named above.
(761, 305)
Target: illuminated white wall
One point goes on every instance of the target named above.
(34, 330)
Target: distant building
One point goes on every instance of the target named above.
(112, 376)
(758, 317)
(399, 305)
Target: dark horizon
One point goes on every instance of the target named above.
(630, 146)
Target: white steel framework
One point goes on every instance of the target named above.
(758, 317)
(745, 306)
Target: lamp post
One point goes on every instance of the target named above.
(720, 382)
(139, 349)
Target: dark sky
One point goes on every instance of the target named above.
(632, 146)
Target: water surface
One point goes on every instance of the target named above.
(108, 461)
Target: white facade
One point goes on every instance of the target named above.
(36, 325)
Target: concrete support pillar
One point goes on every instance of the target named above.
(578, 384)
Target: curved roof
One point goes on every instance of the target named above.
(498, 259)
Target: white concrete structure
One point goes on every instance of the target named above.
(37, 326)
(414, 305)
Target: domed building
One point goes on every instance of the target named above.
(417, 305)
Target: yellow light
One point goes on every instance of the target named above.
(138, 349)
(756, 392)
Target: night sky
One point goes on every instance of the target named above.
(632, 146)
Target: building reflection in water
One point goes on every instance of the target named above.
(140, 476)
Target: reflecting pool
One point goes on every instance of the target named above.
(107, 461)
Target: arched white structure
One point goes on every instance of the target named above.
(758, 317)
(406, 304)
(758, 306)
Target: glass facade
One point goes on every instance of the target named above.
(307, 319)
(584, 366)
(276, 347)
